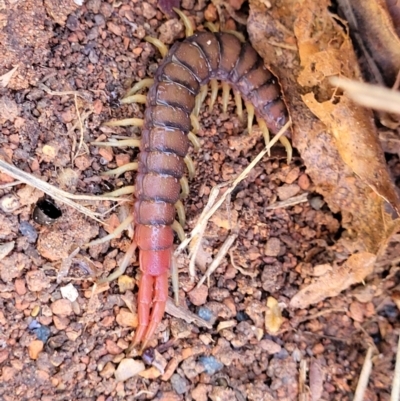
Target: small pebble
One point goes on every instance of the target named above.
(9, 203)
(286, 192)
(125, 318)
(272, 247)
(35, 311)
(179, 384)
(69, 292)
(292, 175)
(198, 296)
(128, 368)
(37, 280)
(61, 307)
(205, 313)
(28, 231)
(211, 364)
(316, 202)
(304, 182)
(6, 248)
(35, 348)
(42, 333)
(108, 370)
(125, 283)
(20, 287)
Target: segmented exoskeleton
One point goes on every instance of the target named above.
(164, 144)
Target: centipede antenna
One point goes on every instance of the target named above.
(127, 190)
(158, 44)
(136, 122)
(225, 96)
(289, 150)
(195, 123)
(194, 140)
(121, 170)
(239, 105)
(190, 166)
(214, 92)
(250, 116)
(134, 99)
(186, 21)
(113, 235)
(133, 143)
(265, 131)
(144, 83)
(211, 27)
(184, 186)
(119, 271)
(180, 209)
(179, 230)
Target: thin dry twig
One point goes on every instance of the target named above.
(395, 395)
(303, 389)
(295, 200)
(364, 376)
(196, 243)
(217, 260)
(56, 193)
(185, 314)
(373, 96)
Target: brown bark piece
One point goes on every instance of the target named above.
(328, 148)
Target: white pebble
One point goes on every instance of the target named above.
(69, 292)
(128, 368)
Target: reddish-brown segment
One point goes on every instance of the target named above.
(188, 65)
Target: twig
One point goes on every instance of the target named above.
(55, 192)
(373, 96)
(295, 200)
(395, 395)
(217, 260)
(185, 314)
(364, 376)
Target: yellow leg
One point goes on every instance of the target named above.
(225, 96)
(194, 140)
(185, 187)
(123, 169)
(250, 116)
(181, 213)
(137, 122)
(289, 150)
(158, 44)
(195, 123)
(179, 230)
(144, 83)
(186, 22)
(190, 166)
(199, 100)
(134, 99)
(211, 27)
(239, 106)
(214, 92)
(265, 132)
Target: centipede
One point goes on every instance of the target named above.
(173, 96)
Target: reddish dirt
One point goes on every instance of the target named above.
(55, 348)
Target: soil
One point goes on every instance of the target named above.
(63, 335)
